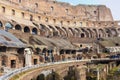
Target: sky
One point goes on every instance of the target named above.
(114, 5)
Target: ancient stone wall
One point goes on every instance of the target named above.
(66, 11)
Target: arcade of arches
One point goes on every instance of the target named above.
(53, 31)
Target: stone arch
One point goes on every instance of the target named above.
(1, 24)
(95, 33)
(8, 25)
(108, 32)
(26, 29)
(44, 50)
(101, 33)
(90, 33)
(62, 51)
(82, 35)
(34, 31)
(41, 77)
(71, 31)
(118, 31)
(55, 32)
(44, 31)
(77, 31)
(85, 32)
(18, 27)
(65, 31)
(114, 32)
(61, 31)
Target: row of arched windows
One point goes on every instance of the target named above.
(61, 31)
(26, 29)
(8, 25)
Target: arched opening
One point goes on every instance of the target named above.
(65, 30)
(8, 26)
(68, 51)
(34, 31)
(108, 32)
(18, 27)
(81, 45)
(86, 33)
(1, 25)
(41, 77)
(79, 57)
(71, 31)
(35, 61)
(44, 50)
(61, 31)
(13, 63)
(43, 30)
(38, 50)
(62, 51)
(77, 32)
(55, 33)
(114, 32)
(73, 52)
(101, 33)
(95, 34)
(26, 29)
(118, 32)
(90, 33)
(82, 35)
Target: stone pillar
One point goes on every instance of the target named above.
(31, 32)
(98, 74)
(107, 69)
(81, 73)
(22, 29)
(13, 28)
(110, 66)
(28, 57)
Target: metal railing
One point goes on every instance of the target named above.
(7, 76)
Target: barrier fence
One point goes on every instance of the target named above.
(8, 75)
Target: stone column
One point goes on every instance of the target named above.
(81, 73)
(28, 57)
(98, 74)
(107, 69)
(39, 33)
(22, 29)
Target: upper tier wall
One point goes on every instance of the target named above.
(66, 11)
